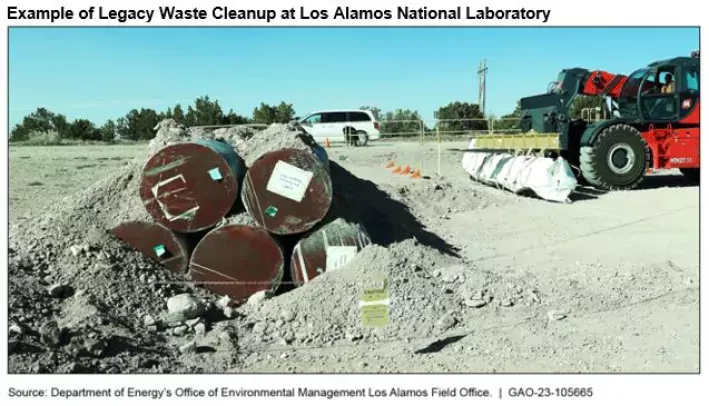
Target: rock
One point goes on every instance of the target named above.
(260, 327)
(288, 315)
(475, 303)
(16, 329)
(257, 298)
(288, 337)
(555, 315)
(95, 347)
(148, 320)
(75, 250)
(506, 302)
(449, 278)
(51, 335)
(533, 295)
(184, 307)
(192, 322)
(180, 330)
(188, 348)
(224, 302)
(200, 329)
(446, 290)
(60, 291)
(229, 313)
(446, 322)
(280, 323)
(153, 329)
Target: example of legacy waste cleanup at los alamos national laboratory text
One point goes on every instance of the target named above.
(295, 13)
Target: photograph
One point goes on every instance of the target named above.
(353, 200)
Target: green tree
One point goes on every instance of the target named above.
(267, 114)
(204, 112)
(108, 131)
(509, 121)
(39, 121)
(461, 117)
(375, 110)
(401, 123)
(84, 130)
(177, 114)
(583, 102)
(139, 124)
(233, 119)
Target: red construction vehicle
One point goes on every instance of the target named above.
(653, 123)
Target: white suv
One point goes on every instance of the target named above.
(355, 127)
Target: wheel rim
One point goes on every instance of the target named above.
(621, 159)
(362, 138)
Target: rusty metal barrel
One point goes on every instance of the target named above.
(189, 187)
(288, 191)
(157, 242)
(325, 249)
(237, 261)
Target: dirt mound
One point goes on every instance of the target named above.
(275, 137)
(442, 198)
(326, 310)
(85, 302)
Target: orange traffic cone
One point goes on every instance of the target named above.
(406, 170)
(327, 143)
(416, 174)
(397, 170)
(390, 164)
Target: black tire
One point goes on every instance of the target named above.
(692, 174)
(617, 160)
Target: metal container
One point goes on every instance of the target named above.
(237, 261)
(329, 247)
(190, 187)
(288, 191)
(157, 242)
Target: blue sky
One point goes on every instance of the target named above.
(102, 73)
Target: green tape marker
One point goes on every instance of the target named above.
(215, 174)
(271, 211)
(159, 250)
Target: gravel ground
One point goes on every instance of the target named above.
(479, 280)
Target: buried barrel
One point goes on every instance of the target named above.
(288, 191)
(189, 187)
(157, 242)
(237, 261)
(330, 247)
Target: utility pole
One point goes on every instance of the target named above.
(482, 78)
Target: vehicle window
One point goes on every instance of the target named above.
(357, 116)
(691, 81)
(314, 119)
(659, 108)
(334, 117)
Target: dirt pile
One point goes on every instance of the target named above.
(273, 138)
(81, 301)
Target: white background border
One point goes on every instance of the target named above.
(608, 389)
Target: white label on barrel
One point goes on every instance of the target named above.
(289, 181)
(338, 256)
